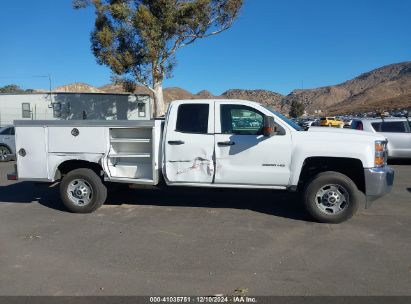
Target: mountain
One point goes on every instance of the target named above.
(78, 87)
(268, 98)
(387, 85)
(170, 94)
(174, 93)
(204, 94)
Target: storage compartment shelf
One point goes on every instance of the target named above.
(130, 140)
(126, 155)
(131, 154)
(126, 169)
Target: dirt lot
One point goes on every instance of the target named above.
(200, 242)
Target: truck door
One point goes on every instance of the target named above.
(243, 155)
(189, 143)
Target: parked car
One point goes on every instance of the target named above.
(347, 123)
(7, 144)
(306, 124)
(198, 146)
(331, 122)
(396, 130)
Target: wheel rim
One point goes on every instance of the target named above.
(80, 192)
(4, 152)
(332, 199)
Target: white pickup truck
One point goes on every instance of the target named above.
(207, 143)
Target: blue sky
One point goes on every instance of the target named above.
(274, 45)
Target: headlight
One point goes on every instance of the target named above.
(381, 153)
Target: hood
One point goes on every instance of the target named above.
(333, 131)
(334, 142)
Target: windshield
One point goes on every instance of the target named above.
(289, 122)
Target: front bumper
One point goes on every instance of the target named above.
(378, 182)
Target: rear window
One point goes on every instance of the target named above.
(323, 118)
(357, 125)
(193, 118)
(393, 127)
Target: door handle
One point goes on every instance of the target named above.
(176, 142)
(226, 143)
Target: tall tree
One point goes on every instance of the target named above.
(297, 109)
(138, 39)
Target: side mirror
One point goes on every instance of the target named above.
(269, 126)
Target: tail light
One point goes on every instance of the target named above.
(381, 153)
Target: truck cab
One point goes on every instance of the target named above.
(222, 143)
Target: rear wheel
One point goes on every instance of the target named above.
(82, 191)
(4, 153)
(332, 197)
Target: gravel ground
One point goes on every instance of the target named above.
(200, 242)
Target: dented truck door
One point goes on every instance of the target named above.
(189, 143)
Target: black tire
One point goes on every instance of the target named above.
(4, 154)
(335, 183)
(93, 199)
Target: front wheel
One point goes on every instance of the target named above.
(82, 191)
(331, 197)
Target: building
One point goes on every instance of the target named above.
(73, 106)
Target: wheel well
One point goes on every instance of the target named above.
(71, 165)
(350, 167)
(6, 146)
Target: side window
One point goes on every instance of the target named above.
(12, 131)
(61, 110)
(141, 109)
(393, 127)
(193, 118)
(376, 126)
(25, 108)
(241, 120)
(6, 131)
